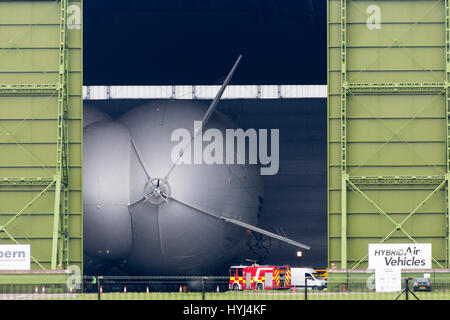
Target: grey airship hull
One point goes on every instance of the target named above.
(125, 159)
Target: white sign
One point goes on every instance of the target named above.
(15, 257)
(400, 255)
(388, 280)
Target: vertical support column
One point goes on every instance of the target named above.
(62, 148)
(65, 154)
(56, 221)
(64, 256)
(344, 86)
(344, 175)
(447, 144)
(344, 179)
(447, 198)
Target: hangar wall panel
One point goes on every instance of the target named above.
(388, 158)
(41, 130)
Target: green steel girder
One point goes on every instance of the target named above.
(56, 213)
(393, 180)
(344, 175)
(447, 109)
(62, 151)
(29, 89)
(344, 184)
(64, 252)
(393, 88)
(13, 181)
(64, 247)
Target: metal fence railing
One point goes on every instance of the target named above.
(212, 288)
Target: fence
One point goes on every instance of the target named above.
(215, 288)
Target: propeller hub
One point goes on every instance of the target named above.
(156, 191)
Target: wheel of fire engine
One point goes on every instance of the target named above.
(259, 286)
(315, 288)
(235, 287)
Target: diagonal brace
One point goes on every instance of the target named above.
(424, 201)
(398, 226)
(29, 203)
(16, 242)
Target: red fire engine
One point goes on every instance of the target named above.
(260, 277)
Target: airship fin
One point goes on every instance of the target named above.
(219, 94)
(138, 154)
(265, 232)
(210, 111)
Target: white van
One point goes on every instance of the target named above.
(298, 276)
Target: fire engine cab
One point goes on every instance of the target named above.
(258, 277)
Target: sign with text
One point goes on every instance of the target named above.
(15, 257)
(388, 280)
(400, 255)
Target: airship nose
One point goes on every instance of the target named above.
(157, 191)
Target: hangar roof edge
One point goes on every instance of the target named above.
(206, 92)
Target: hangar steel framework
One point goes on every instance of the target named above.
(388, 127)
(41, 130)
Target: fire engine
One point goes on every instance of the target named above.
(258, 277)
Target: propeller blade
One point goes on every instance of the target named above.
(208, 112)
(244, 225)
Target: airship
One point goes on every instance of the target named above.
(148, 213)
